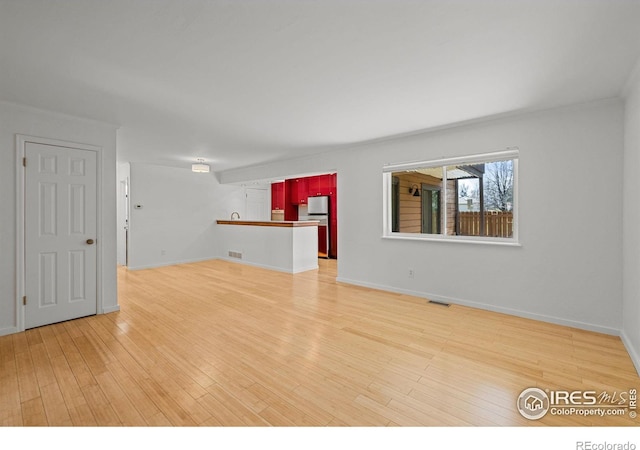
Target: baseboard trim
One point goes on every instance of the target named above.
(486, 307)
(111, 309)
(633, 353)
(9, 330)
(170, 263)
(266, 266)
(306, 269)
(223, 258)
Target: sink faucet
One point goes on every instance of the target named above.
(236, 214)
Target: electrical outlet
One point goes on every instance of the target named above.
(163, 252)
(411, 273)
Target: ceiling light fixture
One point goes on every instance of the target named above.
(200, 166)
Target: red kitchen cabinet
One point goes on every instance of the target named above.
(290, 210)
(320, 185)
(333, 241)
(277, 196)
(333, 217)
(313, 186)
(299, 191)
(322, 241)
(325, 185)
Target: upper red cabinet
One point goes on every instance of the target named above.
(328, 184)
(313, 186)
(299, 191)
(277, 196)
(320, 185)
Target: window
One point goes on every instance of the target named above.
(395, 213)
(470, 198)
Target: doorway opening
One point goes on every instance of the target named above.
(430, 209)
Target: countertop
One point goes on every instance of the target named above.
(271, 223)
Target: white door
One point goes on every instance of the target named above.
(60, 234)
(257, 204)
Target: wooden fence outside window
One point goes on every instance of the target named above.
(496, 224)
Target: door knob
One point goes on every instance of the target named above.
(90, 241)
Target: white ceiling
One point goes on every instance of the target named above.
(240, 82)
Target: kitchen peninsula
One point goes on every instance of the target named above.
(286, 246)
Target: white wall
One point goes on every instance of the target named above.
(179, 210)
(16, 119)
(568, 269)
(631, 222)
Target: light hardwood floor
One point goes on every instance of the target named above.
(222, 344)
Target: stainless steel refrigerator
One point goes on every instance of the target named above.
(318, 209)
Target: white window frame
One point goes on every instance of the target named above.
(387, 233)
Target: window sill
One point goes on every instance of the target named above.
(504, 242)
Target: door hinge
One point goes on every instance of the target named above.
(24, 300)
(24, 162)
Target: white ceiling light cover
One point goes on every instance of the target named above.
(200, 167)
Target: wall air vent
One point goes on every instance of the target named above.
(235, 255)
(433, 302)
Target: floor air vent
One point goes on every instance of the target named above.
(433, 302)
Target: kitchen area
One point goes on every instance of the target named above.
(311, 198)
(302, 229)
